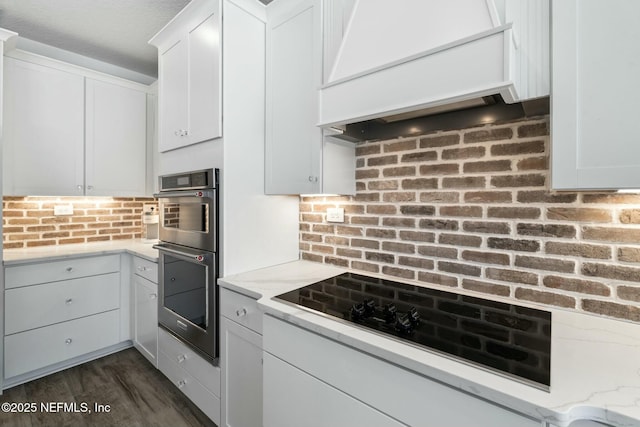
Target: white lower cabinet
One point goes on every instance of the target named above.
(57, 302)
(195, 377)
(305, 373)
(146, 318)
(293, 398)
(241, 358)
(145, 308)
(57, 312)
(37, 348)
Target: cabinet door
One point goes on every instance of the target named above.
(44, 130)
(596, 64)
(242, 376)
(116, 145)
(146, 318)
(294, 69)
(204, 80)
(173, 96)
(190, 77)
(293, 398)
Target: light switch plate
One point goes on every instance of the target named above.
(335, 214)
(63, 209)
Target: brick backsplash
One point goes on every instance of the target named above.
(30, 221)
(472, 209)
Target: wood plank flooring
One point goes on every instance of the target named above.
(137, 393)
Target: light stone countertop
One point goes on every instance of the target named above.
(48, 253)
(595, 362)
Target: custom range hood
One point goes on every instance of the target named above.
(389, 62)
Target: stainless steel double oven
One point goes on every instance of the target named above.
(188, 259)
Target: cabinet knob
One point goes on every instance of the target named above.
(182, 383)
(68, 341)
(241, 312)
(181, 358)
(313, 179)
(153, 296)
(89, 187)
(69, 269)
(79, 188)
(142, 268)
(68, 301)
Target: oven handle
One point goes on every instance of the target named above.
(197, 257)
(204, 193)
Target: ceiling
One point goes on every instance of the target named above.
(111, 31)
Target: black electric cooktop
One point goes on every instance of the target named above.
(505, 338)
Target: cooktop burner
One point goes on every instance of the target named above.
(506, 338)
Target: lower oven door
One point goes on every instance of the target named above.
(188, 303)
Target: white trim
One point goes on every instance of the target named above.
(429, 52)
(40, 59)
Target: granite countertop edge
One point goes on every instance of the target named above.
(580, 388)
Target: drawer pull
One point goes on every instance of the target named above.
(153, 296)
(181, 358)
(68, 341)
(68, 301)
(142, 268)
(69, 269)
(182, 383)
(241, 312)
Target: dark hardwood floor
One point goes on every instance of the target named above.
(137, 393)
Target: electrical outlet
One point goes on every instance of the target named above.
(335, 214)
(148, 207)
(63, 209)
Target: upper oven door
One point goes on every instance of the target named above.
(189, 218)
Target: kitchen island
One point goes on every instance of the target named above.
(594, 360)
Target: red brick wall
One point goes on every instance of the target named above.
(30, 221)
(472, 209)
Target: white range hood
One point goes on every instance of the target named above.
(384, 58)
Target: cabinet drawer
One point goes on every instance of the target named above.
(41, 347)
(187, 359)
(54, 271)
(241, 309)
(145, 268)
(208, 402)
(309, 352)
(284, 408)
(31, 307)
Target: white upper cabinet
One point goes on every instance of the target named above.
(189, 62)
(44, 130)
(293, 142)
(596, 96)
(6, 37)
(115, 140)
(71, 135)
(296, 157)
